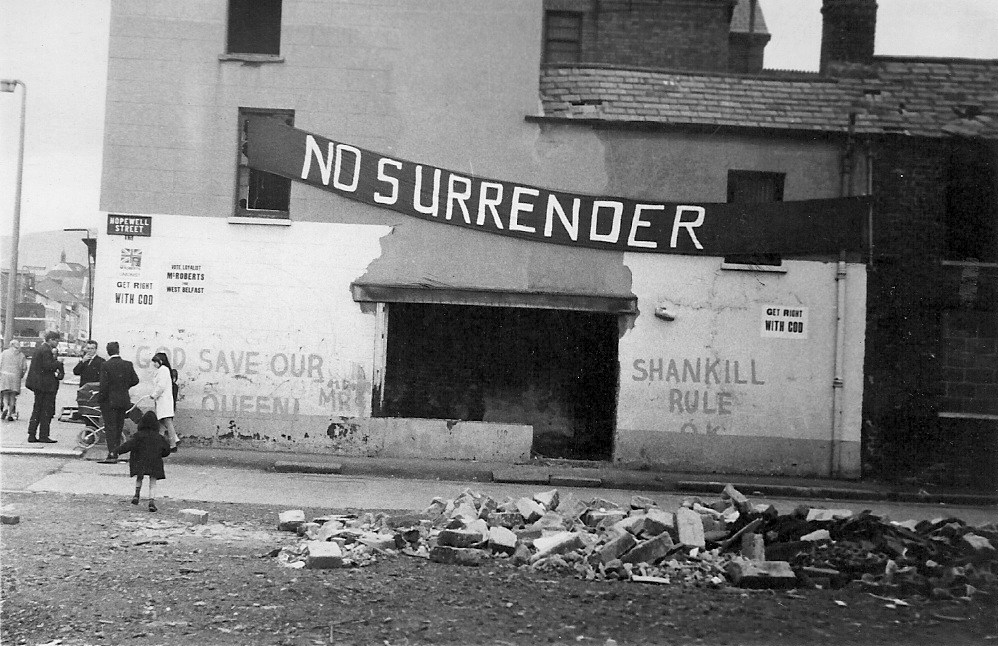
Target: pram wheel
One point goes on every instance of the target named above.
(88, 437)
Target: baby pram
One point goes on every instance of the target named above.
(88, 412)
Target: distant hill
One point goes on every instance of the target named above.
(44, 248)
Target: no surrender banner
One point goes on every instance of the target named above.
(533, 213)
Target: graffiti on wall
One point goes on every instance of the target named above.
(280, 384)
(707, 388)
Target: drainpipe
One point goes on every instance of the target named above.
(838, 383)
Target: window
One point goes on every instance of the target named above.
(972, 202)
(261, 194)
(562, 37)
(254, 27)
(754, 186)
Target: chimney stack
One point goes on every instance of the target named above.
(848, 31)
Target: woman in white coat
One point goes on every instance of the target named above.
(164, 395)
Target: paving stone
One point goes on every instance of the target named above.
(502, 540)
(650, 550)
(689, 527)
(557, 543)
(642, 502)
(548, 499)
(507, 519)
(529, 509)
(657, 521)
(575, 481)
(753, 547)
(550, 520)
(759, 575)
(457, 555)
(606, 518)
(288, 521)
(616, 547)
(323, 554)
(633, 524)
(194, 516)
(459, 538)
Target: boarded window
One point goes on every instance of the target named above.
(261, 194)
(562, 37)
(254, 27)
(972, 202)
(750, 186)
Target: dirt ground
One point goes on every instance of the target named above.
(97, 570)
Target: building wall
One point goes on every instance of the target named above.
(267, 348)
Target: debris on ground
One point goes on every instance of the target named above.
(728, 541)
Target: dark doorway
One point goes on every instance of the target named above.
(553, 369)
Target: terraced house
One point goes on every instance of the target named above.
(588, 229)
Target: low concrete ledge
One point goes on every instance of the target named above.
(282, 466)
(522, 476)
(73, 452)
(574, 481)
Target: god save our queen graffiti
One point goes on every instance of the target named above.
(534, 213)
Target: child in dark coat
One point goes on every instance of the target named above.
(148, 448)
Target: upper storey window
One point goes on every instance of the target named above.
(261, 194)
(755, 186)
(254, 27)
(562, 37)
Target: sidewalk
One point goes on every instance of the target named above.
(542, 472)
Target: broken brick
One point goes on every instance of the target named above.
(827, 515)
(529, 509)
(753, 547)
(616, 547)
(502, 540)
(290, 520)
(194, 516)
(657, 521)
(558, 543)
(740, 502)
(323, 554)
(548, 499)
(457, 555)
(689, 527)
(761, 575)
(458, 538)
(507, 519)
(650, 550)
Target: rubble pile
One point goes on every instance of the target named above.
(727, 541)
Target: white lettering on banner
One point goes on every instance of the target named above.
(484, 201)
(618, 211)
(519, 207)
(637, 222)
(393, 197)
(433, 207)
(689, 226)
(459, 197)
(571, 227)
(780, 322)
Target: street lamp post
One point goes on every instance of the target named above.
(91, 243)
(8, 85)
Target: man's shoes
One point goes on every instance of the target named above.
(135, 500)
(32, 439)
(47, 440)
(111, 459)
(152, 506)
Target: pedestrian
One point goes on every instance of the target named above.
(148, 448)
(116, 377)
(44, 376)
(12, 367)
(165, 397)
(88, 367)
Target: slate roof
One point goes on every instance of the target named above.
(929, 97)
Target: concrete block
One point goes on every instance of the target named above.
(642, 502)
(606, 518)
(817, 535)
(737, 499)
(753, 547)
(977, 543)
(288, 521)
(616, 547)
(487, 507)
(557, 543)
(323, 554)
(689, 527)
(550, 520)
(194, 516)
(760, 575)
(529, 509)
(377, 541)
(459, 538)
(658, 521)
(457, 555)
(464, 511)
(548, 499)
(507, 519)
(478, 525)
(502, 540)
(630, 525)
(827, 515)
(649, 551)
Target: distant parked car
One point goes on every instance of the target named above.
(67, 349)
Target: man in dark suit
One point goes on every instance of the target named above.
(43, 379)
(116, 377)
(88, 367)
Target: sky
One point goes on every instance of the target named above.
(58, 48)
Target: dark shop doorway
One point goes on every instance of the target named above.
(553, 369)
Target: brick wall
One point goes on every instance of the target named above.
(969, 377)
(673, 34)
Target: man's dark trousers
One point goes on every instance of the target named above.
(114, 422)
(41, 414)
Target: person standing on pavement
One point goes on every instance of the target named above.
(116, 377)
(44, 376)
(165, 397)
(12, 367)
(88, 368)
(148, 448)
